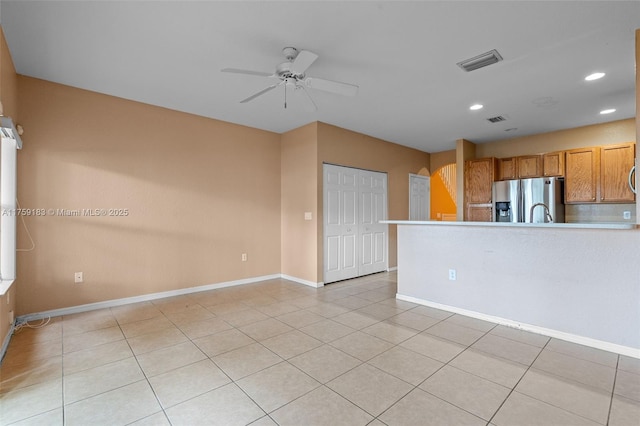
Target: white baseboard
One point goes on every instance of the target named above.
(137, 299)
(574, 338)
(393, 268)
(301, 281)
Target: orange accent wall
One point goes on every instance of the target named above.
(441, 201)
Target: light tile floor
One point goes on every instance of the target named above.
(281, 353)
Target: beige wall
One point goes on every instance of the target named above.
(299, 159)
(199, 193)
(614, 132)
(8, 80)
(439, 159)
(9, 99)
(346, 148)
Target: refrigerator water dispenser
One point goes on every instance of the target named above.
(503, 211)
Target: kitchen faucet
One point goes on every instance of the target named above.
(546, 211)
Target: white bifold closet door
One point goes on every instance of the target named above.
(355, 243)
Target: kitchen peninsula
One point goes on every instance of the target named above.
(577, 282)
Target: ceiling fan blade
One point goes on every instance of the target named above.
(247, 72)
(260, 93)
(305, 98)
(337, 87)
(303, 61)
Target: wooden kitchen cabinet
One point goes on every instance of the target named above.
(616, 162)
(479, 213)
(529, 166)
(507, 168)
(479, 175)
(582, 175)
(553, 164)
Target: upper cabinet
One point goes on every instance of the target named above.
(599, 174)
(582, 175)
(507, 168)
(522, 167)
(616, 162)
(529, 166)
(553, 164)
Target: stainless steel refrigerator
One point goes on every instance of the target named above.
(536, 200)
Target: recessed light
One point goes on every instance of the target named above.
(608, 111)
(594, 76)
(476, 107)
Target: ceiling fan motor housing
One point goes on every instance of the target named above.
(283, 71)
(290, 53)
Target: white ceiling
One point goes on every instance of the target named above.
(403, 56)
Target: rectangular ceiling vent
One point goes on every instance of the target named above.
(480, 61)
(497, 119)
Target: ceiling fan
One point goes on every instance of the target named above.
(292, 76)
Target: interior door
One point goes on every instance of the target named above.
(419, 196)
(355, 243)
(340, 223)
(372, 234)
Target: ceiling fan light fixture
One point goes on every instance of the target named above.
(595, 76)
(480, 61)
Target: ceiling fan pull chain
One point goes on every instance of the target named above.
(285, 96)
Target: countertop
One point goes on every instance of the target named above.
(515, 225)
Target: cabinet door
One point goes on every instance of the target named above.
(615, 163)
(529, 166)
(479, 213)
(553, 164)
(582, 175)
(478, 177)
(507, 168)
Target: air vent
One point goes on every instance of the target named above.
(480, 61)
(497, 119)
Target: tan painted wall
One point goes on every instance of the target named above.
(439, 159)
(598, 134)
(8, 81)
(199, 193)
(465, 150)
(9, 99)
(346, 148)
(299, 159)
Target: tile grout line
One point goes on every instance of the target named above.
(613, 390)
(518, 382)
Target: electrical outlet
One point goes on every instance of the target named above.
(78, 278)
(11, 317)
(244, 257)
(308, 216)
(626, 214)
(452, 274)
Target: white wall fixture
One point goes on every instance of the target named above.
(11, 142)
